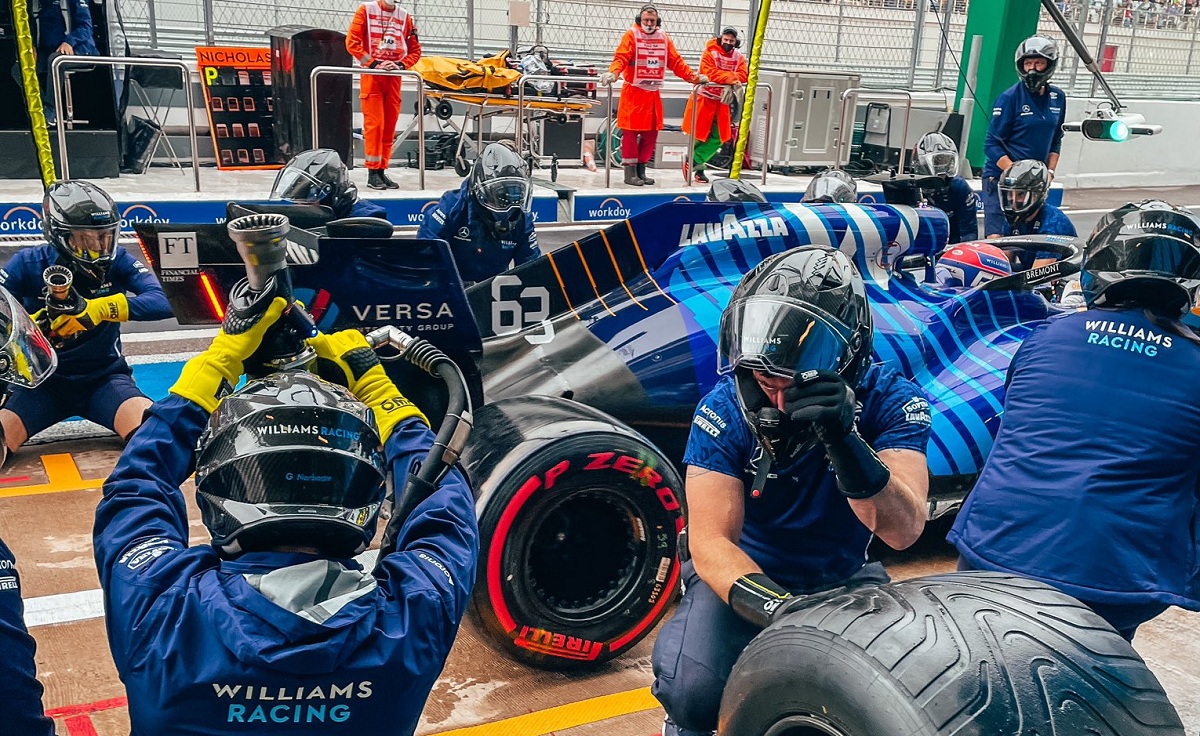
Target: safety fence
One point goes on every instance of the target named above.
(1149, 47)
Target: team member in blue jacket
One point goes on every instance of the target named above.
(937, 155)
(798, 455)
(55, 37)
(93, 379)
(1026, 123)
(319, 177)
(1092, 483)
(488, 221)
(1023, 188)
(274, 628)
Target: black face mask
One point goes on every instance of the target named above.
(726, 47)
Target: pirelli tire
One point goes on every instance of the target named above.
(579, 520)
(963, 653)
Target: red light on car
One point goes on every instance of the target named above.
(213, 300)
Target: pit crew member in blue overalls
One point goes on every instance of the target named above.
(62, 28)
(27, 358)
(93, 380)
(1026, 123)
(800, 454)
(274, 625)
(1023, 188)
(488, 221)
(833, 186)
(320, 177)
(937, 155)
(1091, 485)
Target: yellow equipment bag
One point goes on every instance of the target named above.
(460, 75)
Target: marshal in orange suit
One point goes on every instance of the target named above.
(381, 36)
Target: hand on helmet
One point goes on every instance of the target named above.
(607, 78)
(346, 358)
(96, 311)
(211, 375)
(825, 401)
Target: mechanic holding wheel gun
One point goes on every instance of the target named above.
(274, 622)
(79, 287)
(800, 454)
(643, 57)
(1091, 486)
(488, 221)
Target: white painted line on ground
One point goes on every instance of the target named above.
(207, 333)
(160, 358)
(64, 608)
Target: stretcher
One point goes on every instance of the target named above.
(480, 106)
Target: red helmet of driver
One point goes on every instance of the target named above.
(971, 264)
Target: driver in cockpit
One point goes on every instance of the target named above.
(967, 265)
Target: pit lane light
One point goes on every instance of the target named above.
(1106, 126)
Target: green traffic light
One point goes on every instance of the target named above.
(1118, 131)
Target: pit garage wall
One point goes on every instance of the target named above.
(1171, 158)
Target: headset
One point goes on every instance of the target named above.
(637, 19)
(737, 44)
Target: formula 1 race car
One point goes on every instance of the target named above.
(586, 365)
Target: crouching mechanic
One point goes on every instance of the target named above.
(798, 456)
(274, 623)
(937, 155)
(1023, 188)
(488, 221)
(93, 380)
(320, 177)
(1106, 398)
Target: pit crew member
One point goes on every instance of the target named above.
(93, 379)
(488, 221)
(1091, 485)
(274, 622)
(800, 454)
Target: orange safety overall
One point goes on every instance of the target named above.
(377, 34)
(643, 59)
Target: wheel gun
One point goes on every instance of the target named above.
(262, 243)
(60, 299)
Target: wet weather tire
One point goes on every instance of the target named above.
(962, 653)
(578, 532)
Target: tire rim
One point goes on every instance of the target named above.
(804, 726)
(585, 555)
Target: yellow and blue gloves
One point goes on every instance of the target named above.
(113, 308)
(212, 375)
(346, 355)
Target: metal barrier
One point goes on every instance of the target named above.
(608, 123)
(358, 72)
(117, 61)
(691, 154)
(520, 134)
(881, 93)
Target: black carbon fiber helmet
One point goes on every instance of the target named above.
(81, 221)
(798, 311)
(290, 460)
(734, 190)
(831, 187)
(1022, 188)
(1039, 47)
(936, 155)
(501, 186)
(317, 177)
(1145, 254)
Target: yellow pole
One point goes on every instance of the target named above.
(33, 92)
(760, 32)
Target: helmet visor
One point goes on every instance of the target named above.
(829, 189)
(92, 244)
(502, 195)
(940, 163)
(1158, 254)
(26, 358)
(296, 185)
(780, 337)
(1017, 201)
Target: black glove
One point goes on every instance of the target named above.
(756, 597)
(826, 402)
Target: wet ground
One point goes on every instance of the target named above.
(47, 501)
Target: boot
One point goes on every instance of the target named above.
(631, 177)
(387, 180)
(375, 179)
(701, 178)
(641, 172)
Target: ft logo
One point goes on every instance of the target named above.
(178, 251)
